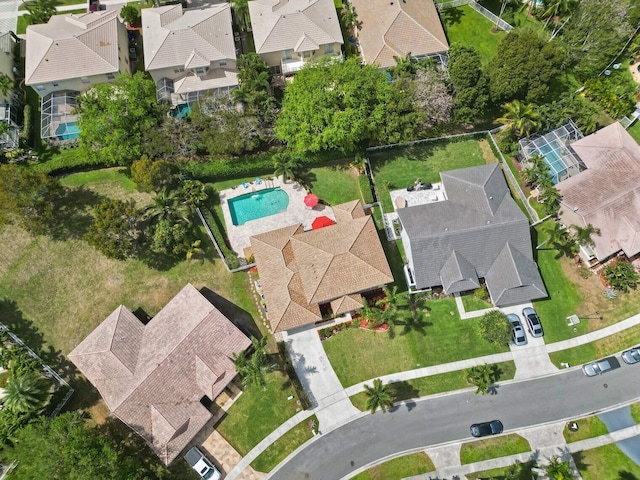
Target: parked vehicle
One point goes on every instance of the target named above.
(596, 368)
(201, 464)
(631, 356)
(533, 322)
(517, 332)
(494, 427)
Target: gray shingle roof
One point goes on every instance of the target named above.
(458, 275)
(476, 221)
(153, 376)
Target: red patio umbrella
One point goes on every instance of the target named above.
(322, 221)
(311, 200)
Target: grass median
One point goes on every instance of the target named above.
(495, 447)
(398, 468)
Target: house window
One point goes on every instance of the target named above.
(328, 48)
(40, 88)
(287, 54)
(307, 54)
(200, 70)
(222, 63)
(178, 69)
(110, 76)
(84, 79)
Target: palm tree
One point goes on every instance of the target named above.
(558, 8)
(253, 369)
(520, 118)
(390, 301)
(583, 234)
(349, 16)
(551, 200)
(194, 192)
(559, 470)
(415, 313)
(558, 236)
(481, 376)
(25, 393)
(241, 8)
(285, 165)
(378, 396)
(405, 66)
(167, 205)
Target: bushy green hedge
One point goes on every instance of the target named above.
(230, 258)
(66, 160)
(365, 188)
(305, 403)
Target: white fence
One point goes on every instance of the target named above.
(444, 5)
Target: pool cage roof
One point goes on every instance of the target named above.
(164, 89)
(555, 148)
(57, 113)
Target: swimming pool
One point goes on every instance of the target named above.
(67, 131)
(257, 205)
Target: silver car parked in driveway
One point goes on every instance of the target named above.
(533, 322)
(517, 332)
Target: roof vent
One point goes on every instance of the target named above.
(446, 229)
(490, 197)
(488, 222)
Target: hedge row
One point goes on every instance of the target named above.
(305, 403)
(230, 258)
(67, 161)
(365, 188)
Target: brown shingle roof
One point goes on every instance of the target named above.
(396, 28)
(152, 377)
(300, 270)
(607, 194)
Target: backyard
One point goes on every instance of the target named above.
(397, 168)
(357, 355)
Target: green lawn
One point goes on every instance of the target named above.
(398, 468)
(281, 448)
(495, 447)
(635, 411)
(258, 412)
(606, 463)
(588, 427)
(499, 473)
(21, 25)
(634, 130)
(334, 184)
(600, 348)
(471, 303)
(443, 382)
(357, 355)
(399, 167)
(466, 26)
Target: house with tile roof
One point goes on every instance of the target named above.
(68, 55)
(290, 33)
(397, 28)
(306, 275)
(606, 194)
(478, 232)
(189, 53)
(154, 377)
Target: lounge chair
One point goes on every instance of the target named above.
(245, 184)
(258, 181)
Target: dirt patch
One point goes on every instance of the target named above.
(487, 153)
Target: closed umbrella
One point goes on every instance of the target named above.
(311, 200)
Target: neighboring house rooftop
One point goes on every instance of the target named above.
(298, 25)
(72, 46)
(300, 270)
(607, 194)
(478, 232)
(190, 39)
(153, 376)
(396, 28)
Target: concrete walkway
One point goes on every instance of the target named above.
(620, 419)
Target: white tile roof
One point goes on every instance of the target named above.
(72, 46)
(299, 25)
(189, 38)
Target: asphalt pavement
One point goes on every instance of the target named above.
(415, 425)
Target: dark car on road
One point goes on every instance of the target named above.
(596, 368)
(533, 322)
(517, 332)
(494, 427)
(631, 356)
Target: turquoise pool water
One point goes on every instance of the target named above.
(257, 205)
(67, 131)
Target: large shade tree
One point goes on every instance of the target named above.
(113, 116)
(334, 105)
(469, 82)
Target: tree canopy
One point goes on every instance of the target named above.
(333, 105)
(495, 328)
(116, 229)
(469, 81)
(112, 117)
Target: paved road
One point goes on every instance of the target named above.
(356, 444)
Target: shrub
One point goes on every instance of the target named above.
(365, 188)
(229, 256)
(27, 128)
(305, 403)
(621, 275)
(495, 328)
(481, 293)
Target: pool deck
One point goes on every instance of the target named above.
(297, 212)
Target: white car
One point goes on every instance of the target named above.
(517, 333)
(201, 464)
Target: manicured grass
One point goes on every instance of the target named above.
(21, 25)
(471, 303)
(398, 468)
(588, 427)
(600, 348)
(495, 447)
(111, 182)
(399, 167)
(334, 184)
(634, 131)
(443, 382)
(606, 463)
(499, 473)
(258, 412)
(59, 3)
(281, 448)
(357, 355)
(635, 411)
(466, 26)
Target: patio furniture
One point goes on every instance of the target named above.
(410, 188)
(400, 202)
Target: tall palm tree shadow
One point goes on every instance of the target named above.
(452, 16)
